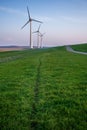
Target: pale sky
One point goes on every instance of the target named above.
(64, 21)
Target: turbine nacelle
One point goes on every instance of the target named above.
(38, 30)
(42, 34)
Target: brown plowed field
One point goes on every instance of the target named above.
(10, 49)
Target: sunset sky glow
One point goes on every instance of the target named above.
(64, 21)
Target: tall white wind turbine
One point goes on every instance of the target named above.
(30, 21)
(38, 32)
(41, 38)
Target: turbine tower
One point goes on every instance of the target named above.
(41, 36)
(38, 32)
(30, 21)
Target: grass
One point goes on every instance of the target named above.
(44, 90)
(80, 47)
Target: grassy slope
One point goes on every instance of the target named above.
(45, 90)
(80, 47)
(10, 53)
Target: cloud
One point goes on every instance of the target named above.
(10, 10)
(43, 18)
(47, 19)
(74, 19)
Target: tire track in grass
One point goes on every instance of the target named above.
(34, 121)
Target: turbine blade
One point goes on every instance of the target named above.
(42, 34)
(37, 21)
(28, 13)
(35, 32)
(25, 24)
(39, 27)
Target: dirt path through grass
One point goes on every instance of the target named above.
(34, 121)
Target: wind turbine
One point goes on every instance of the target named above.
(41, 36)
(30, 21)
(38, 32)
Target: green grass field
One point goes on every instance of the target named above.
(80, 47)
(44, 89)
